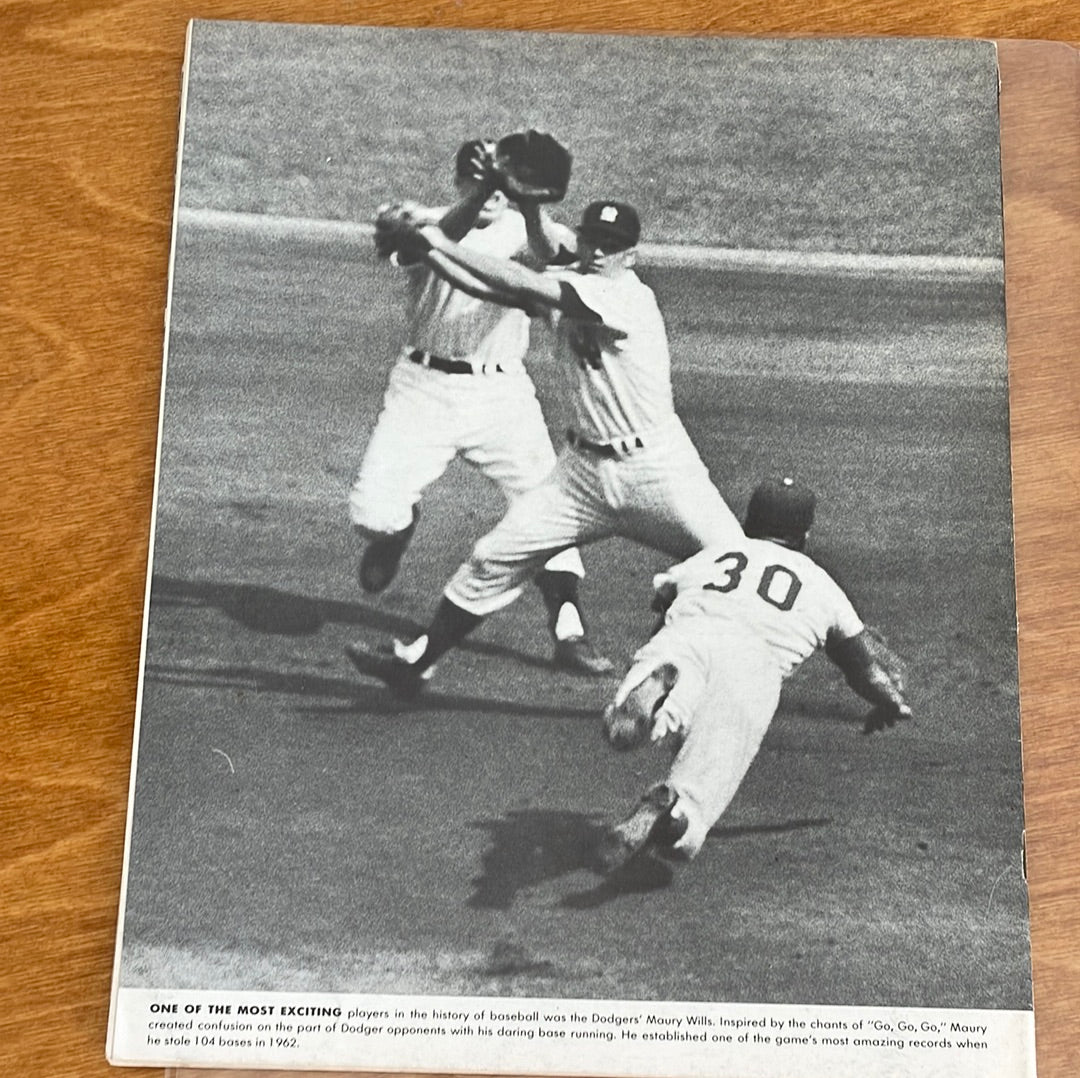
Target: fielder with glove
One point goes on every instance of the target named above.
(738, 620)
(459, 387)
(628, 468)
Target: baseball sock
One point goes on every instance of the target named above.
(560, 592)
(449, 627)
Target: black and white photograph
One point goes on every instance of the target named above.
(580, 632)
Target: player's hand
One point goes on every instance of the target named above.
(482, 164)
(386, 222)
(885, 717)
(397, 231)
(392, 219)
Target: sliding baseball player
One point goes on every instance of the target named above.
(738, 619)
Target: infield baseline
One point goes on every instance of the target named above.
(808, 263)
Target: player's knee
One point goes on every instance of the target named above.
(485, 559)
(495, 568)
(380, 504)
(480, 595)
(487, 576)
(568, 561)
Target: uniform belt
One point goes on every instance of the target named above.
(621, 447)
(452, 366)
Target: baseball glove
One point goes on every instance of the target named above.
(532, 166)
(884, 717)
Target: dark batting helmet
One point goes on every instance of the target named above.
(780, 509)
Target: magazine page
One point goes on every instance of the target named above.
(580, 629)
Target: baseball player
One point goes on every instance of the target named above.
(738, 618)
(460, 388)
(629, 467)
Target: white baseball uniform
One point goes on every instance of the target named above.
(629, 469)
(458, 388)
(745, 615)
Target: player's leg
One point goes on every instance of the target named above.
(710, 695)
(723, 737)
(574, 651)
(670, 502)
(411, 446)
(566, 510)
(512, 447)
(655, 702)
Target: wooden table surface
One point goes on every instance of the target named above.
(89, 93)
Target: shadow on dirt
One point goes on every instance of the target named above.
(529, 847)
(649, 872)
(358, 698)
(271, 610)
(258, 679)
(643, 874)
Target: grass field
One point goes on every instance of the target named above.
(855, 145)
(296, 828)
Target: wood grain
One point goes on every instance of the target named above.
(1040, 106)
(88, 119)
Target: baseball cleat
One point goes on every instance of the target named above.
(382, 556)
(650, 824)
(400, 677)
(624, 730)
(630, 721)
(578, 655)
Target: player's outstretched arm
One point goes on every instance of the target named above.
(875, 673)
(524, 287)
(467, 282)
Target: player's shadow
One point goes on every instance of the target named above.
(355, 698)
(384, 702)
(529, 847)
(649, 871)
(270, 610)
(262, 609)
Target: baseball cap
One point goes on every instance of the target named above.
(780, 509)
(610, 226)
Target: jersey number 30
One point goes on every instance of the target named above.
(778, 585)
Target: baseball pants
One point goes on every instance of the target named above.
(659, 494)
(493, 421)
(727, 693)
